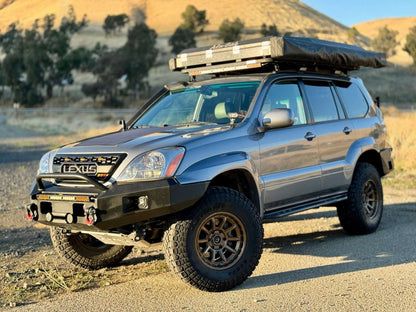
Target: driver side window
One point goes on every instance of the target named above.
(285, 94)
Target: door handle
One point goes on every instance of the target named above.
(347, 130)
(310, 136)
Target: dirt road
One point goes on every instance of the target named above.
(308, 264)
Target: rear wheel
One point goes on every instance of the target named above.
(85, 251)
(361, 213)
(219, 244)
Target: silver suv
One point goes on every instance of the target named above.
(203, 162)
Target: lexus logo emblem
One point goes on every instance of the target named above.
(89, 169)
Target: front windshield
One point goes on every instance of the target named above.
(205, 104)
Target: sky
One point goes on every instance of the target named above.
(350, 12)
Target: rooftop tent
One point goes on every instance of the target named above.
(285, 52)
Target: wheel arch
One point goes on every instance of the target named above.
(235, 170)
(372, 157)
(240, 180)
(366, 150)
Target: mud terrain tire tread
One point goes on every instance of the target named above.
(351, 212)
(180, 252)
(72, 248)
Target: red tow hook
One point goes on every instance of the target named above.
(90, 216)
(29, 216)
(32, 212)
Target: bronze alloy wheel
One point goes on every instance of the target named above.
(218, 245)
(220, 241)
(371, 200)
(362, 211)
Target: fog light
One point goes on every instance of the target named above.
(143, 202)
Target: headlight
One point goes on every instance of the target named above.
(152, 165)
(45, 164)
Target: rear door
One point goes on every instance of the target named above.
(289, 159)
(335, 134)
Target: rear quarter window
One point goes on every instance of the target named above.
(354, 101)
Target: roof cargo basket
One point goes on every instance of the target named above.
(267, 54)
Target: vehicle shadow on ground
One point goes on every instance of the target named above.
(388, 246)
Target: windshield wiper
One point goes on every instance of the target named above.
(189, 123)
(141, 127)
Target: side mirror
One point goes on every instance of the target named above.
(278, 118)
(123, 125)
(377, 101)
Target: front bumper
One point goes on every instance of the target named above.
(101, 208)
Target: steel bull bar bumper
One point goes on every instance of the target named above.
(89, 204)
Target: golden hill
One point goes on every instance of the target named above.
(402, 25)
(165, 15)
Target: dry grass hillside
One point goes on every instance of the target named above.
(165, 15)
(402, 25)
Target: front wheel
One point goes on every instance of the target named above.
(85, 251)
(219, 244)
(361, 212)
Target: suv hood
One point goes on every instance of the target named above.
(163, 136)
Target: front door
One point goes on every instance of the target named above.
(289, 159)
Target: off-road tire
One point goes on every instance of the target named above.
(85, 251)
(218, 244)
(361, 213)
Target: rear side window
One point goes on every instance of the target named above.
(321, 100)
(354, 102)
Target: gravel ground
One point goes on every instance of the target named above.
(30, 269)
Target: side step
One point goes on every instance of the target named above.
(305, 206)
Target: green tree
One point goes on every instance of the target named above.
(109, 25)
(79, 58)
(2, 79)
(114, 22)
(12, 37)
(13, 65)
(182, 39)
(69, 24)
(385, 41)
(109, 68)
(352, 34)
(13, 69)
(230, 31)
(193, 19)
(37, 59)
(36, 63)
(57, 43)
(121, 20)
(410, 46)
(92, 89)
(270, 30)
(140, 52)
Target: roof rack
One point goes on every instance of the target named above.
(275, 53)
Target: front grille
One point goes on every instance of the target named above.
(100, 167)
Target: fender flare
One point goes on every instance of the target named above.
(357, 150)
(208, 168)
